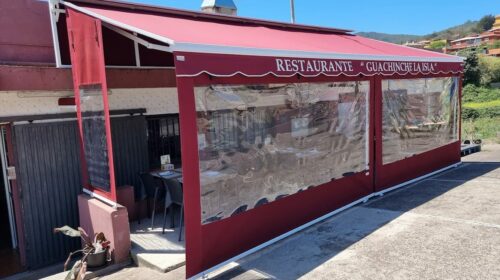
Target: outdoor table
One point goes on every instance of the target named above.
(170, 174)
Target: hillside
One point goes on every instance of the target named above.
(391, 38)
(455, 32)
(451, 33)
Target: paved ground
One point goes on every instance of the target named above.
(446, 227)
(142, 273)
(153, 249)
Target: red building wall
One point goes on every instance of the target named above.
(25, 34)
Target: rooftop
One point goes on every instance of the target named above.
(229, 4)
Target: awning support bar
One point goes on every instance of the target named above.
(54, 12)
(138, 40)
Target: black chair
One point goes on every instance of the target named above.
(154, 188)
(176, 196)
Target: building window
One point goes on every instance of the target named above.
(418, 115)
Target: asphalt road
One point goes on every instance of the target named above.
(446, 227)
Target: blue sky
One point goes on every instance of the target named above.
(389, 16)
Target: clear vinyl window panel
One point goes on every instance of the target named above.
(418, 115)
(259, 143)
(94, 136)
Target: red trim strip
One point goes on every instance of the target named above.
(222, 65)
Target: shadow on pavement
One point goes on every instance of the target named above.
(308, 250)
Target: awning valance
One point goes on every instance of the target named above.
(253, 48)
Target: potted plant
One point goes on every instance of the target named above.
(94, 252)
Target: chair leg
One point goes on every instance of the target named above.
(181, 221)
(172, 216)
(154, 208)
(165, 216)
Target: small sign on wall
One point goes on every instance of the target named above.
(165, 159)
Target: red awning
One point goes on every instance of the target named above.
(250, 47)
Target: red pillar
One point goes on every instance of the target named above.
(191, 175)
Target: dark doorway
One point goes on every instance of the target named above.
(9, 255)
(164, 138)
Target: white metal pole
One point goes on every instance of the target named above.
(8, 189)
(54, 12)
(292, 10)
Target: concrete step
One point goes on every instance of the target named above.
(162, 262)
(153, 249)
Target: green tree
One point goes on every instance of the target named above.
(489, 67)
(485, 23)
(472, 93)
(472, 73)
(437, 44)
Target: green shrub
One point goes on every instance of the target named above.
(472, 72)
(472, 93)
(489, 112)
(479, 105)
(469, 113)
(489, 67)
(437, 44)
(482, 128)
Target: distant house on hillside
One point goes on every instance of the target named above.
(487, 40)
(496, 25)
(471, 41)
(419, 45)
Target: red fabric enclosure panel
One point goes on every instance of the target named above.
(229, 237)
(410, 168)
(210, 244)
(88, 68)
(84, 47)
(391, 174)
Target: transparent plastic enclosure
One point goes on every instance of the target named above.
(419, 115)
(94, 136)
(260, 143)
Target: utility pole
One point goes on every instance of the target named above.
(292, 11)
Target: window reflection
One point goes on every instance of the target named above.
(418, 115)
(259, 143)
(94, 136)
